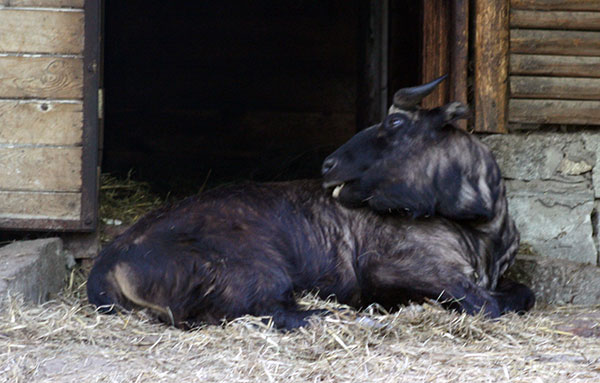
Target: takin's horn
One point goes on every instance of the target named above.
(408, 98)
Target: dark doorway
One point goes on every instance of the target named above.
(259, 90)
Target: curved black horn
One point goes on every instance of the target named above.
(408, 98)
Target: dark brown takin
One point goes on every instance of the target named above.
(408, 209)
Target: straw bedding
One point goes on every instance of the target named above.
(65, 340)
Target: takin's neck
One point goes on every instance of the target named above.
(500, 237)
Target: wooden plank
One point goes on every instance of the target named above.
(39, 205)
(555, 20)
(41, 77)
(41, 31)
(372, 84)
(435, 50)
(92, 113)
(574, 43)
(43, 169)
(566, 88)
(556, 5)
(44, 3)
(42, 123)
(568, 66)
(459, 54)
(491, 65)
(554, 112)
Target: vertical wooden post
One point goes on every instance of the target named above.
(372, 84)
(491, 65)
(459, 54)
(435, 49)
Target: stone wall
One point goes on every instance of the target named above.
(553, 188)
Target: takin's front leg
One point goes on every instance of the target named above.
(513, 296)
(393, 282)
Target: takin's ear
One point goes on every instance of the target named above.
(455, 111)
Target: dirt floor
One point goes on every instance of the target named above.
(65, 340)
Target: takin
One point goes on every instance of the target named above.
(410, 209)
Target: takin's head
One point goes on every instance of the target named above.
(416, 161)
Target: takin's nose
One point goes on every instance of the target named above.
(328, 165)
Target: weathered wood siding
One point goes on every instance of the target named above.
(490, 65)
(555, 62)
(41, 113)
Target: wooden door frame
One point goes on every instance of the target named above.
(90, 172)
(373, 38)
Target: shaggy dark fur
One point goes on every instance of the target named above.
(249, 249)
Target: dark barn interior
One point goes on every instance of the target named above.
(261, 90)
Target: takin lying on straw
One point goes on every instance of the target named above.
(409, 209)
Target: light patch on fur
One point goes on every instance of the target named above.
(485, 192)
(125, 280)
(466, 194)
(394, 109)
(139, 239)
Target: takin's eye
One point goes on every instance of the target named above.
(392, 124)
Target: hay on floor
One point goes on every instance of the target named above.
(65, 340)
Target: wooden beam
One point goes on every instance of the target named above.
(41, 77)
(555, 20)
(459, 54)
(435, 50)
(40, 123)
(566, 88)
(373, 60)
(39, 205)
(41, 31)
(554, 112)
(40, 169)
(568, 66)
(491, 65)
(576, 43)
(556, 5)
(44, 3)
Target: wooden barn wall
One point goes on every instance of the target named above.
(41, 114)
(555, 62)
